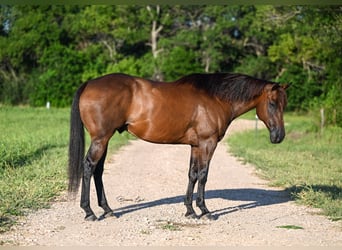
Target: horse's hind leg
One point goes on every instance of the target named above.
(85, 202)
(101, 197)
(95, 153)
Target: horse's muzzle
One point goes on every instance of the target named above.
(277, 135)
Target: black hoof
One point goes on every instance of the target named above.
(107, 215)
(191, 216)
(207, 216)
(91, 217)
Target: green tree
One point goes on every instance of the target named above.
(308, 50)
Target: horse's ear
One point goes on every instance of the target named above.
(275, 87)
(286, 85)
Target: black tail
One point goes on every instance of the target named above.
(76, 144)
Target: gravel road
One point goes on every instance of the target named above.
(145, 184)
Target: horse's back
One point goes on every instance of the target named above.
(111, 82)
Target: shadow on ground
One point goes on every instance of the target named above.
(249, 197)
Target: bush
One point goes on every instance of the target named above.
(331, 104)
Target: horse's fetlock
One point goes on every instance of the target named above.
(199, 202)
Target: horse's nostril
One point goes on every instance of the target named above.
(277, 135)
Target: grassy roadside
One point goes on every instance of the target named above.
(307, 163)
(33, 158)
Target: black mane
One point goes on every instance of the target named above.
(227, 86)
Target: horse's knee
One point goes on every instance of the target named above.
(203, 176)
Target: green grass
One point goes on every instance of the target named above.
(171, 227)
(290, 227)
(307, 163)
(33, 159)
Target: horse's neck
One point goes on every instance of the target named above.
(240, 108)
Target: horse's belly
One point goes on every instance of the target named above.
(158, 134)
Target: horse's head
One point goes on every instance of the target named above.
(270, 110)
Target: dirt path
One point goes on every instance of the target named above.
(145, 184)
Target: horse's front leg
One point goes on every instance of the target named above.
(200, 201)
(190, 213)
(207, 151)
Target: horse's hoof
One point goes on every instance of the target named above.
(208, 216)
(107, 215)
(192, 216)
(91, 217)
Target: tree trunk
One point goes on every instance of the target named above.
(155, 30)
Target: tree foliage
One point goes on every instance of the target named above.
(47, 51)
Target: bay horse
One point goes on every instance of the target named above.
(195, 110)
